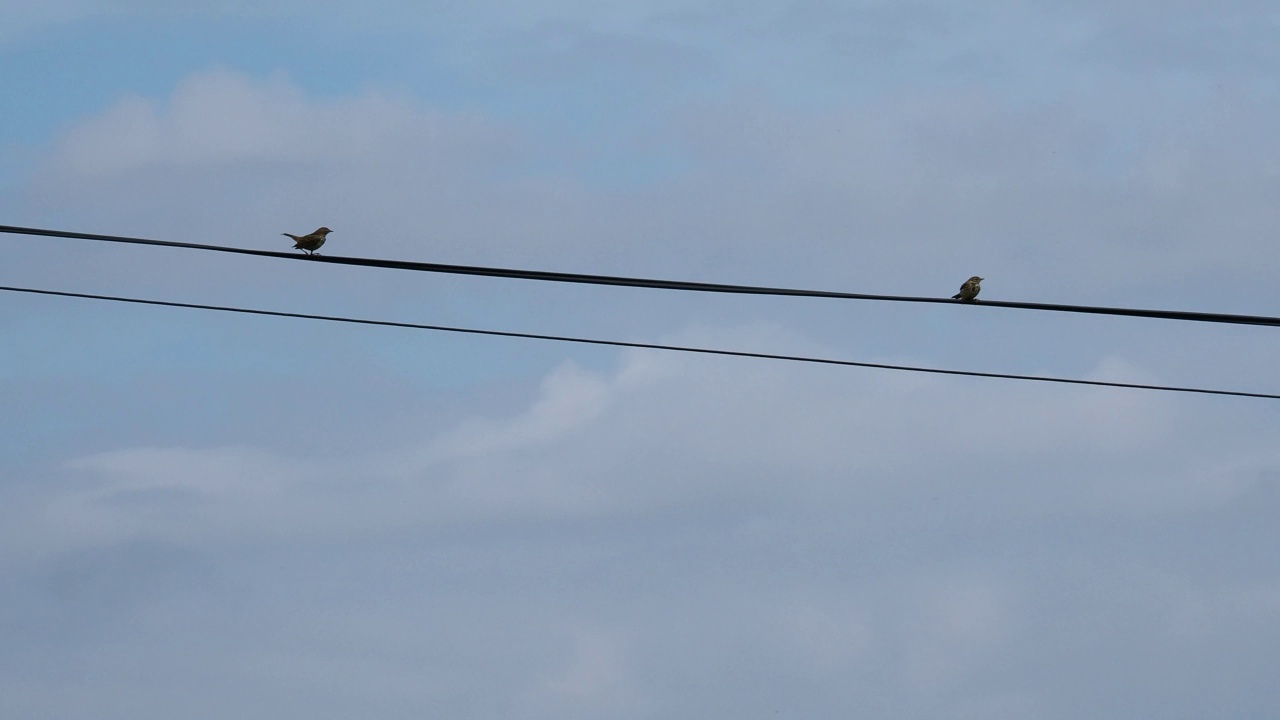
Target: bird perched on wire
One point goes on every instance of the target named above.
(969, 290)
(309, 243)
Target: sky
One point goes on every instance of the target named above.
(213, 516)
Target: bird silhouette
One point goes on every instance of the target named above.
(309, 243)
(968, 291)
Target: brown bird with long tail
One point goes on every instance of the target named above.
(309, 243)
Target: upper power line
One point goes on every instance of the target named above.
(647, 346)
(652, 283)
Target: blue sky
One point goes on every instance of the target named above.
(212, 516)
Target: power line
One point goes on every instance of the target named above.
(647, 346)
(588, 279)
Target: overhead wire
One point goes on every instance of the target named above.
(650, 283)
(639, 345)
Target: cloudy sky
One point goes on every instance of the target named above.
(215, 516)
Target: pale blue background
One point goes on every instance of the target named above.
(210, 516)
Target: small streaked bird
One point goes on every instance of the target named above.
(969, 290)
(309, 243)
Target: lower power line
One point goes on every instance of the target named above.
(646, 346)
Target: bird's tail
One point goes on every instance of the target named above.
(293, 237)
(956, 296)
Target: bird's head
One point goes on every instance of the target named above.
(976, 279)
(322, 231)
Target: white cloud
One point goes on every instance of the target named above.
(19, 17)
(569, 398)
(595, 678)
(826, 640)
(662, 432)
(223, 119)
(959, 625)
(227, 157)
